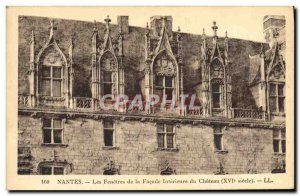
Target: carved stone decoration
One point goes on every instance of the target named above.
(277, 73)
(220, 170)
(279, 167)
(164, 65)
(108, 62)
(167, 170)
(111, 169)
(216, 70)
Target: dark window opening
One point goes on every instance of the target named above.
(108, 132)
(276, 97)
(58, 171)
(52, 131)
(46, 170)
(216, 95)
(165, 136)
(279, 143)
(218, 138)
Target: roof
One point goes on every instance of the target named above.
(239, 51)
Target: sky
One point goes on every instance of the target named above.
(239, 22)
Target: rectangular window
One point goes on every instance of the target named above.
(276, 97)
(165, 136)
(279, 143)
(51, 81)
(216, 95)
(107, 83)
(164, 87)
(218, 138)
(108, 132)
(52, 131)
(52, 170)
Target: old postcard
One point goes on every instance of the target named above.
(150, 98)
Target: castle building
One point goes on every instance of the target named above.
(220, 107)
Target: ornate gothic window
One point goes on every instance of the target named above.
(164, 76)
(108, 74)
(51, 74)
(216, 90)
(217, 75)
(277, 97)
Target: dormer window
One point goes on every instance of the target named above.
(277, 97)
(164, 86)
(107, 83)
(164, 77)
(51, 81)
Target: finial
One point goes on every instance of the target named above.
(147, 31)
(107, 20)
(226, 34)
(215, 28)
(275, 33)
(164, 21)
(72, 38)
(179, 29)
(95, 25)
(262, 52)
(52, 27)
(32, 36)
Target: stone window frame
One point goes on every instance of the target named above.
(276, 96)
(111, 82)
(52, 129)
(52, 78)
(53, 167)
(219, 134)
(218, 93)
(280, 141)
(164, 87)
(165, 135)
(113, 129)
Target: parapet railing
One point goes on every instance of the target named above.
(23, 100)
(197, 111)
(248, 113)
(83, 103)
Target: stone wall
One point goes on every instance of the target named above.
(247, 150)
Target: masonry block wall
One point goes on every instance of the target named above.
(246, 149)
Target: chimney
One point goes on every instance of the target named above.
(273, 26)
(157, 23)
(123, 22)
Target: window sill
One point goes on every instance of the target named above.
(110, 148)
(278, 114)
(221, 151)
(44, 97)
(168, 149)
(279, 154)
(54, 145)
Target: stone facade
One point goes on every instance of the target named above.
(63, 132)
(246, 149)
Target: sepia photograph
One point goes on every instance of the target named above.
(152, 91)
